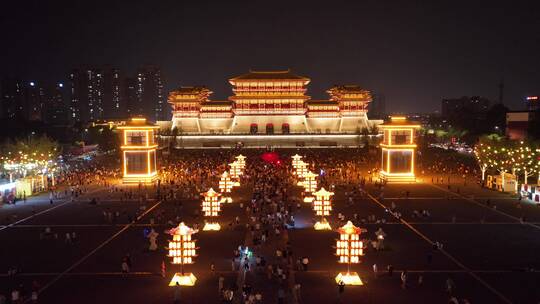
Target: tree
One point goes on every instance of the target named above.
(492, 151)
(32, 154)
(483, 152)
(525, 158)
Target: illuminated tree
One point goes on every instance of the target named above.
(525, 159)
(482, 152)
(30, 156)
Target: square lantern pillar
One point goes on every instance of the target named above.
(211, 206)
(322, 205)
(182, 250)
(398, 150)
(349, 249)
(138, 151)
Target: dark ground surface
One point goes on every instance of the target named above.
(486, 251)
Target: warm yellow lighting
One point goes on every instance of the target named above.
(349, 278)
(133, 149)
(236, 170)
(241, 160)
(322, 225)
(186, 279)
(406, 144)
(211, 227)
(225, 183)
(309, 199)
(296, 160)
(309, 183)
(211, 203)
(322, 206)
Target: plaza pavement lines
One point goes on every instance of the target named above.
(149, 273)
(23, 226)
(84, 258)
(453, 259)
(44, 211)
(531, 224)
(441, 198)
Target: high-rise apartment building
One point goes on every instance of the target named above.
(96, 94)
(149, 90)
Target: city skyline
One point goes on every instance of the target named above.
(463, 50)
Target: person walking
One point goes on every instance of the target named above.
(177, 295)
(305, 262)
(221, 281)
(375, 270)
(341, 289)
(404, 279)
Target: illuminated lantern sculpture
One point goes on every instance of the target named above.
(138, 151)
(182, 250)
(225, 186)
(295, 160)
(211, 208)
(349, 249)
(322, 206)
(241, 161)
(398, 150)
(235, 172)
(301, 169)
(310, 185)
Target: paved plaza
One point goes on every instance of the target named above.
(489, 247)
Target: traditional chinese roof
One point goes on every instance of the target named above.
(138, 123)
(189, 94)
(269, 75)
(349, 228)
(396, 121)
(350, 92)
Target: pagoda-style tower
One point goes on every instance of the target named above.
(138, 151)
(273, 101)
(398, 150)
(352, 101)
(186, 105)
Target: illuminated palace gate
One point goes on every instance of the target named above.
(270, 103)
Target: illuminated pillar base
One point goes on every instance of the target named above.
(227, 200)
(322, 225)
(211, 227)
(349, 278)
(309, 199)
(236, 184)
(138, 179)
(300, 183)
(186, 279)
(397, 177)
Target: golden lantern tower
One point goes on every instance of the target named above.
(349, 248)
(398, 150)
(295, 160)
(211, 208)
(241, 161)
(225, 186)
(182, 250)
(310, 185)
(301, 170)
(322, 206)
(138, 151)
(235, 172)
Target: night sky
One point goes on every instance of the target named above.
(415, 53)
